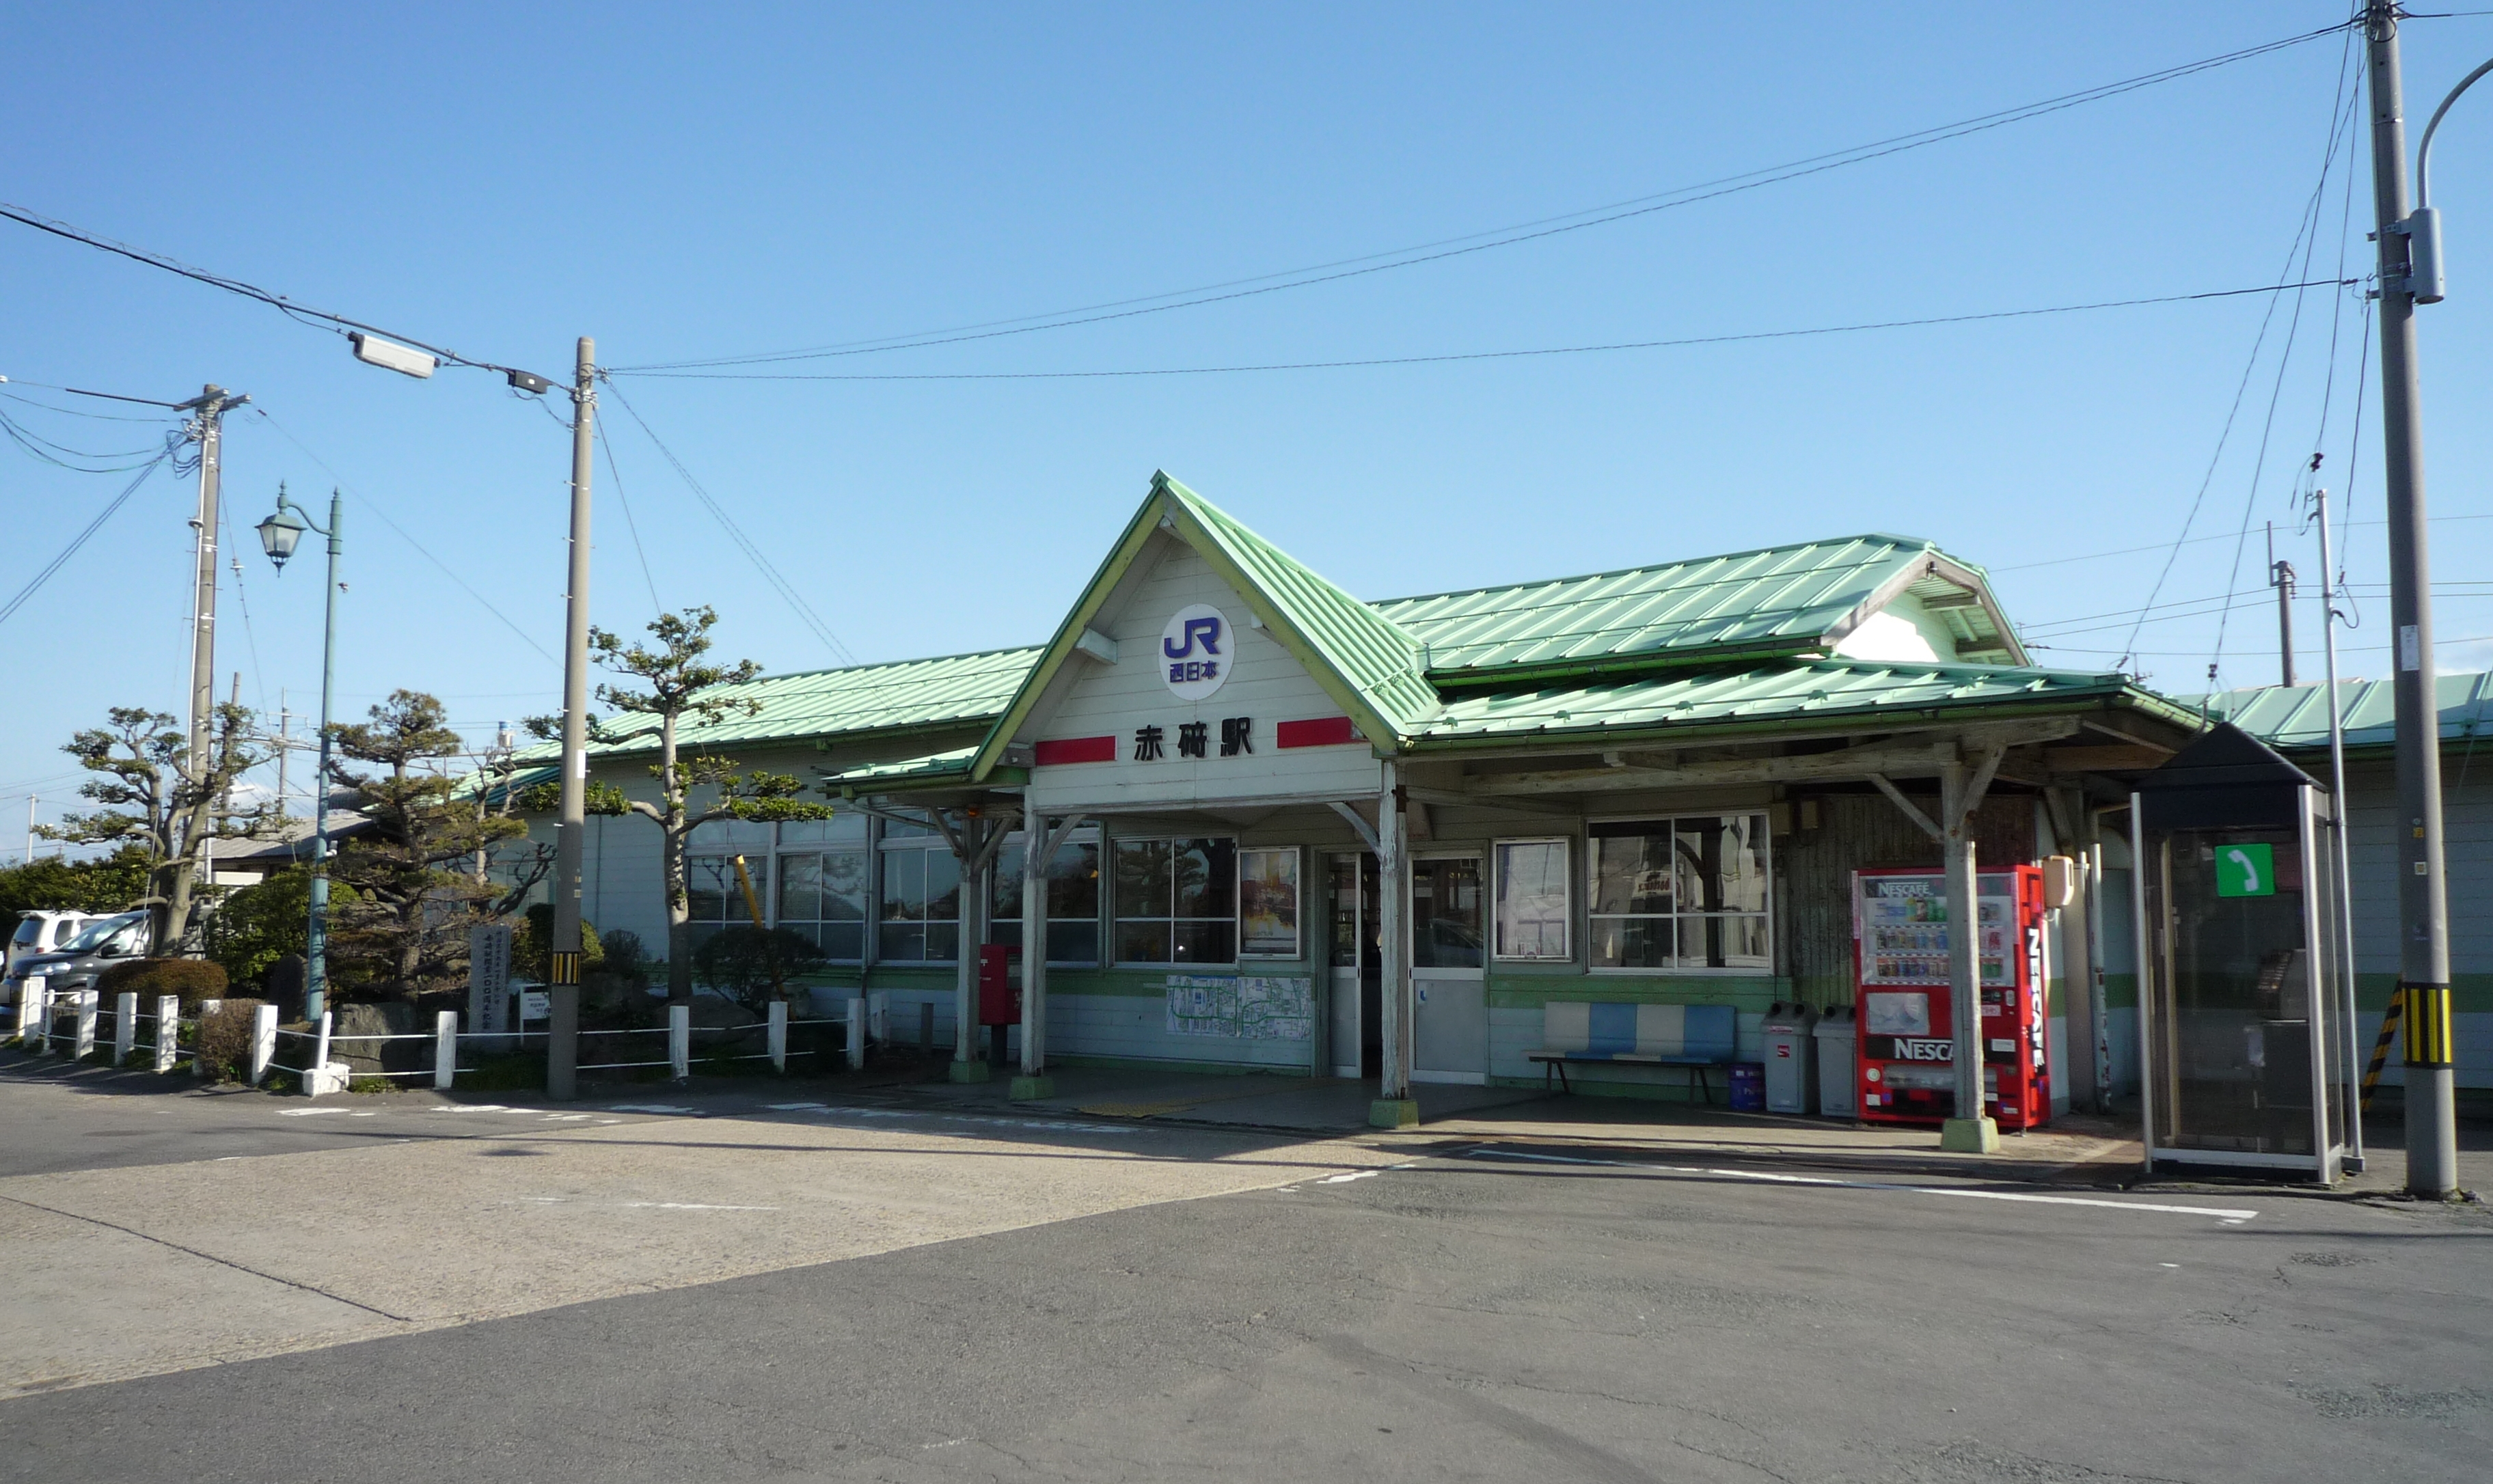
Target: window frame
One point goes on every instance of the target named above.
(1668, 821)
(885, 844)
(1567, 908)
(1115, 918)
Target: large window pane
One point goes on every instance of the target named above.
(710, 883)
(1176, 901)
(1532, 899)
(844, 886)
(1633, 942)
(1446, 914)
(942, 886)
(1142, 879)
(1198, 941)
(1686, 893)
(904, 886)
(1204, 873)
(1074, 942)
(1143, 943)
(800, 889)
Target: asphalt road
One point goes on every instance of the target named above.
(1450, 1313)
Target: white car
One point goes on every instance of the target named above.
(73, 966)
(42, 929)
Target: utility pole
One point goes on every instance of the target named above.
(2342, 852)
(2423, 910)
(207, 425)
(284, 745)
(563, 1019)
(2280, 576)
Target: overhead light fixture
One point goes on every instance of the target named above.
(528, 381)
(372, 350)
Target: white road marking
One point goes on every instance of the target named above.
(1052, 1125)
(467, 1108)
(687, 1205)
(2232, 1216)
(649, 1107)
(306, 1113)
(565, 1117)
(1355, 1175)
(2167, 1265)
(798, 1106)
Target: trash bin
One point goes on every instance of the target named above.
(1838, 1064)
(1789, 1058)
(1748, 1088)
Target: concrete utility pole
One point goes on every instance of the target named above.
(563, 1019)
(207, 424)
(2280, 576)
(2423, 911)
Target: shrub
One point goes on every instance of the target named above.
(532, 945)
(258, 925)
(224, 1038)
(192, 979)
(746, 963)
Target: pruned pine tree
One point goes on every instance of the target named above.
(160, 799)
(407, 929)
(678, 683)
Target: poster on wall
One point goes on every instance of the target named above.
(1268, 903)
(1249, 1007)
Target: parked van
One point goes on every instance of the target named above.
(42, 929)
(76, 963)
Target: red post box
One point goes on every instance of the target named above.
(997, 1004)
(1906, 1025)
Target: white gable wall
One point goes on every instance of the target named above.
(1265, 683)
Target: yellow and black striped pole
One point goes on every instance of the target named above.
(2381, 1047)
(2429, 1041)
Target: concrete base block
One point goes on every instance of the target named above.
(1394, 1113)
(1025, 1088)
(970, 1072)
(325, 1079)
(1969, 1136)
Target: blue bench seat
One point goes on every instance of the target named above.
(1692, 1036)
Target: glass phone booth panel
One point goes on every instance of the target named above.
(2243, 1051)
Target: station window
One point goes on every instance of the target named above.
(1268, 903)
(1177, 900)
(1073, 900)
(1689, 892)
(1531, 907)
(717, 898)
(824, 889)
(918, 919)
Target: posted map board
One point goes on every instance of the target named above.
(1252, 1007)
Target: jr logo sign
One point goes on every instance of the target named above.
(1194, 651)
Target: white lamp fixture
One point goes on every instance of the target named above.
(372, 350)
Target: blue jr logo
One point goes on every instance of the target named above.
(1198, 631)
(1192, 652)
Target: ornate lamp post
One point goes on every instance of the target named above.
(278, 537)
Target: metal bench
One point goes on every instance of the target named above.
(1692, 1036)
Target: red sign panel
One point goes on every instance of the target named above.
(1323, 731)
(1048, 755)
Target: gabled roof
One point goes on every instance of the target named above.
(1361, 659)
(2296, 715)
(1786, 599)
(1724, 700)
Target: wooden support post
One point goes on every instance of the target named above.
(1036, 842)
(1395, 1107)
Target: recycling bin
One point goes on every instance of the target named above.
(1790, 1056)
(1839, 1068)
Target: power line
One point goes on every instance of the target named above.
(1499, 355)
(2096, 556)
(615, 475)
(100, 417)
(375, 505)
(1501, 237)
(786, 589)
(9, 609)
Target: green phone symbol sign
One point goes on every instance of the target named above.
(2245, 871)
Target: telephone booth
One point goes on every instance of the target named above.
(2240, 996)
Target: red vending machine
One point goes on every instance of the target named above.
(1907, 1029)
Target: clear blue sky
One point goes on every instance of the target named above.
(698, 182)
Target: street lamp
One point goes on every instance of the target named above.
(279, 535)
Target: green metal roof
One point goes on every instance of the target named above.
(1776, 693)
(2297, 715)
(1367, 649)
(1777, 600)
(953, 764)
(905, 695)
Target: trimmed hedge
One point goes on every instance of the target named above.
(192, 979)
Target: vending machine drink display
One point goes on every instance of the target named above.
(1905, 1028)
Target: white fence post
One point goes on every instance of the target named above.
(445, 1049)
(779, 1036)
(679, 1040)
(209, 1009)
(85, 1042)
(317, 1081)
(263, 1042)
(30, 1001)
(168, 1029)
(856, 1034)
(125, 1026)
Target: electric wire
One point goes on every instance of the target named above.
(1501, 237)
(1364, 363)
(242, 600)
(10, 609)
(61, 456)
(2096, 556)
(100, 417)
(378, 510)
(2341, 122)
(786, 591)
(616, 476)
